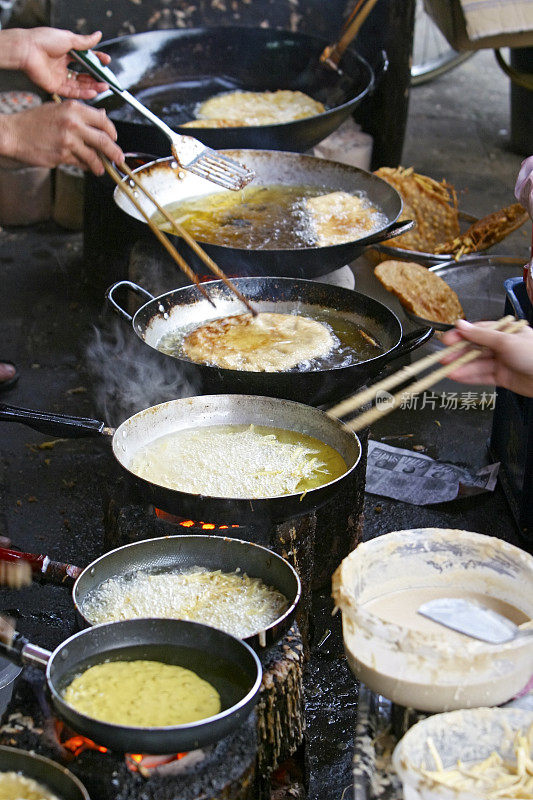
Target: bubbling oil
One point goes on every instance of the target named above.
(352, 343)
(270, 217)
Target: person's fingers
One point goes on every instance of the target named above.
(7, 371)
(85, 41)
(482, 370)
(481, 335)
(80, 86)
(450, 337)
(524, 183)
(88, 157)
(105, 58)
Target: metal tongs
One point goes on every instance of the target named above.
(190, 154)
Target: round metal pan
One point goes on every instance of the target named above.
(178, 553)
(196, 412)
(229, 664)
(184, 307)
(173, 71)
(56, 778)
(170, 184)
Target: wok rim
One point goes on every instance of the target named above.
(289, 611)
(319, 40)
(51, 764)
(237, 152)
(218, 498)
(59, 702)
(393, 317)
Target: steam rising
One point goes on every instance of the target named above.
(128, 375)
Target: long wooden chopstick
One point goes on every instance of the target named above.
(180, 261)
(358, 400)
(368, 417)
(193, 244)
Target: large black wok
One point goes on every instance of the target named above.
(171, 554)
(168, 185)
(196, 412)
(186, 307)
(229, 664)
(171, 72)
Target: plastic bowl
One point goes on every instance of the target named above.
(469, 735)
(432, 668)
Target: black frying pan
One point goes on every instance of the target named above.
(173, 71)
(173, 553)
(169, 184)
(194, 412)
(55, 777)
(186, 307)
(230, 665)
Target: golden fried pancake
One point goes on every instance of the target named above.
(487, 231)
(420, 291)
(256, 108)
(340, 217)
(266, 343)
(431, 204)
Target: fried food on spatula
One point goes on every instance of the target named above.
(432, 205)
(420, 291)
(486, 231)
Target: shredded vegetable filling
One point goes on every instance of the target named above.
(238, 461)
(232, 602)
(14, 786)
(493, 778)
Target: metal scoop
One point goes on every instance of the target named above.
(190, 154)
(474, 620)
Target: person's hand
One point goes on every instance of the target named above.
(66, 133)
(507, 361)
(524, 185)
(43, 54)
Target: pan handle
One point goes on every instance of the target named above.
(408, 343)
(43, 567)
(54, 424)
(396, 229)
(134, 288)
(15, 647)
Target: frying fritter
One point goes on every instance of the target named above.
(340, 217)
(255, 108)
(420, 291)
(265, 343)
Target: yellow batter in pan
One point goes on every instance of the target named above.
(142, 694)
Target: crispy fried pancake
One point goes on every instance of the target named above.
(431, 204)
(266, 343)
(255, 108)
(420, 291)
(340, 217)
(487, 231)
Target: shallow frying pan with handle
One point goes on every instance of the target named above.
(173, 71)
(229, 664)
(55, 777)
(177, 553)
(195, 412)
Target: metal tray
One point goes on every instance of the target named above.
(379, 726)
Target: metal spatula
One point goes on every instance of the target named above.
(190, 154)
(474, 620)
